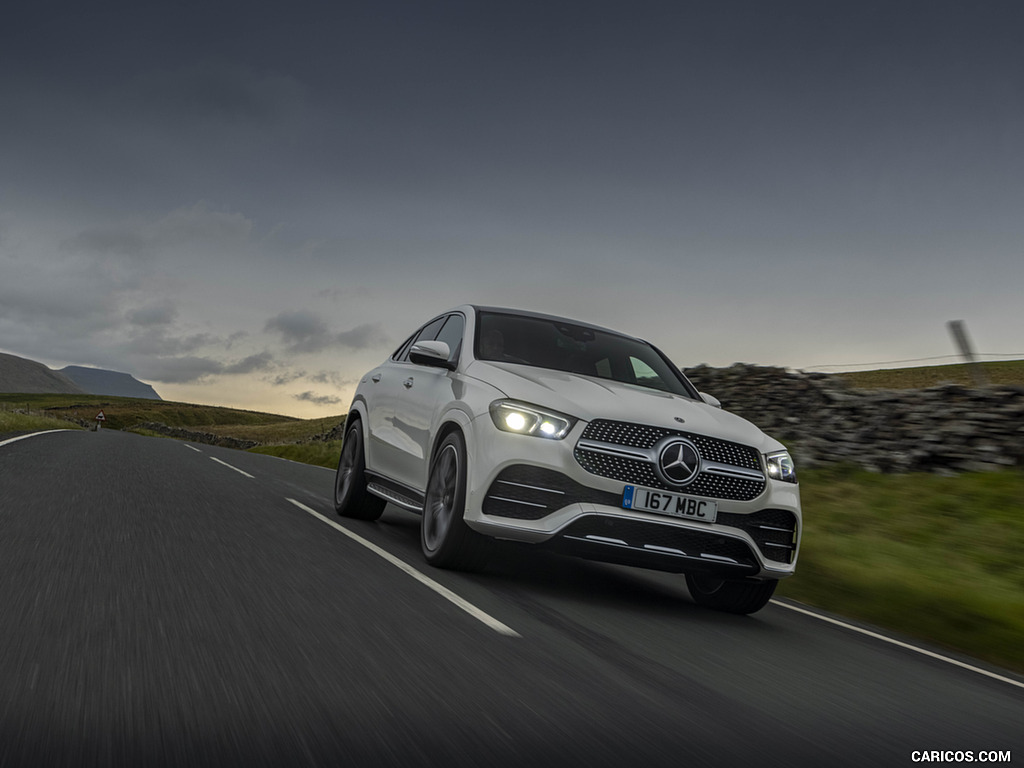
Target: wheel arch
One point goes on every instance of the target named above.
(357, 411)
(454, 420)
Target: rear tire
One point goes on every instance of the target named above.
(742, 597)
(446, 540)
(351, 499)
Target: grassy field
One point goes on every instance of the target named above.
(22, 422)
(278, 433)
(323, 454)
(126, 412)
(1006, 372)
(936, 558)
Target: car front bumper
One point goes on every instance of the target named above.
(533, 490)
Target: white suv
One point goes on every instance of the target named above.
(502, 424)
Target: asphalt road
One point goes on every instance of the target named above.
(159, 607)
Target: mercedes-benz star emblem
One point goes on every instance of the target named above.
(678, 462)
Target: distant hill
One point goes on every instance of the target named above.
(20, 375)
(97, 381)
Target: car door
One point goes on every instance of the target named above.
(389, 439)
(425, 391)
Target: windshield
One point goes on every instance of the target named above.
(563, 346)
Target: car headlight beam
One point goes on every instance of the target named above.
(522, 419)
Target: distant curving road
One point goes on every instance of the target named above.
(169, 604)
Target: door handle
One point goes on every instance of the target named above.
(407, 383)
(375, 378)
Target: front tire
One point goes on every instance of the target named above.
(742, 597)
(351, 499)
(446, 540)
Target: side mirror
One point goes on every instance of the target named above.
(433, 354)
(710, 399)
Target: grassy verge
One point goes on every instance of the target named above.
(937, 558)
(20, 422)
(1004, 372)
(126, 412)
(281, 432)
(320, 454)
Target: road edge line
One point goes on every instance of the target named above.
(10, 440)
(460, 602)
(900, 643)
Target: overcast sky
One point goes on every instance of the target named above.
(252, 204)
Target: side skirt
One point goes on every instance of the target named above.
(394, 492)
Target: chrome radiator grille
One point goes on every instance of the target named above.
(731, 471)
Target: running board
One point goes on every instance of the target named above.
(394, 497)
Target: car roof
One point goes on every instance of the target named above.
(553, 318)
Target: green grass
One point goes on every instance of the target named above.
(1006, 372)
(937, 558)
(126, 412)
(279, 433)
(321, 454)
(20, 422)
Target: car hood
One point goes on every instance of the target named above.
(589, 398)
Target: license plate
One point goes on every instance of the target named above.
(672, 504)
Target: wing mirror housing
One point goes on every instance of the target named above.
(433, 354)
(710, 399)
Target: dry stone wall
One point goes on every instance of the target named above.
(194, 436)
(946, 429)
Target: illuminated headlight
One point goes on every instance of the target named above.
(781, 467)
(523, 419)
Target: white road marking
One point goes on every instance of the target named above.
(192, 447)
(442, 590)
(33, 434)
(907, 646)
(239, 471)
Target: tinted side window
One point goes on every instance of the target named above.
(451, 334)
(427, 333)
(403, 349)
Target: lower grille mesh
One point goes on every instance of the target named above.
(637, 533)
(522, 492)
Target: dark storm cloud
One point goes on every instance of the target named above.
(121, 242)
(305, 331)
(365, 336)
(284, 378)
(258, 362)
(180, 370)
(159, 313)
(311, 397)
(332, 378)
(188, 369)
(214, 91)
(162, 341)
(301, 330)
(198, 224)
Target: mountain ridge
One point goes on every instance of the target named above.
(23, 375)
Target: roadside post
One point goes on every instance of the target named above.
(958, 330)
